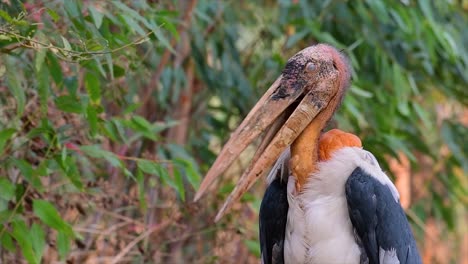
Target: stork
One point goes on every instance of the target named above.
(327, 200)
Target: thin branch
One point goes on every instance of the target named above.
(82, 55)
(153, 229)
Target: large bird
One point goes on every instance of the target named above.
(342, 209)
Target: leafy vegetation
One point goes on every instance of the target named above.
(111, 111)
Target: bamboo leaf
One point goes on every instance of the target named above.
(7, 189)
(50, 216)
(14, 84)
(97, 16)
(22, 236)
(63, 244)
(97, 152)
(93, 87)
(69, 104)
(38, 241)
(5, 135)
(43, 86)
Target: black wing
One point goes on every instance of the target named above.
(379, 220)
(273, 217)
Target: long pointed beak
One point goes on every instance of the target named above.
(263, 114)
(269, 113)
(285, 110)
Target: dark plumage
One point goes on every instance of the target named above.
(273, 217)
(378, 219)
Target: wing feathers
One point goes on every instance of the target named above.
(273, 217)
(379, 220)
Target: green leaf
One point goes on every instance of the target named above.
(22, 236)
(72, 9)
(141, 190)
(115, 69)
(50, 216)
(91, 116)
(142, 126)
(63, 245)
(5, 135)
(133, 25)
(253, 247)
(157, 169)
(110, 66)
(360, 92)
(295, 38)
(403, 108)
(148, 166)
(14, 84)
(423, 115)
(141, 122)
(96, 15)
(191, 171)
(450, 138)
(396, 144)
(164, 41)
(40, 58)
(179, 183)
(169, 25)
(28, 172)
(96, 152)
(131, 15)
(7, 242)
(55, 69)
(93, 87)
(69, 104)
(71, 84)
(45, 131)
(38, 241)
(42, 74)
(7, 189)
(66, 44)
(114, 130)
(6, 16)
(69, 168)
(55, 17)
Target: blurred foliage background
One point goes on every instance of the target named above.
(112, 111)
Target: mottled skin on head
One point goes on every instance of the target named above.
(327, 65)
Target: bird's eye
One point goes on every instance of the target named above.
(310, 67)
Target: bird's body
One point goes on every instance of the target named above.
(319, 227)
(320, 212)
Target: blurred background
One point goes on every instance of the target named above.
(112, 111)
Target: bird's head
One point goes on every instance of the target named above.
(293, 111)
(320, 69)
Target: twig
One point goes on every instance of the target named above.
(141, 159)
(105, 232)
(82, 55)
(121, 217)
(140, 238)
(26, 192)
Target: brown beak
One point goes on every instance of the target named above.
(295, 101)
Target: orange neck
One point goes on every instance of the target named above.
(304, 150)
